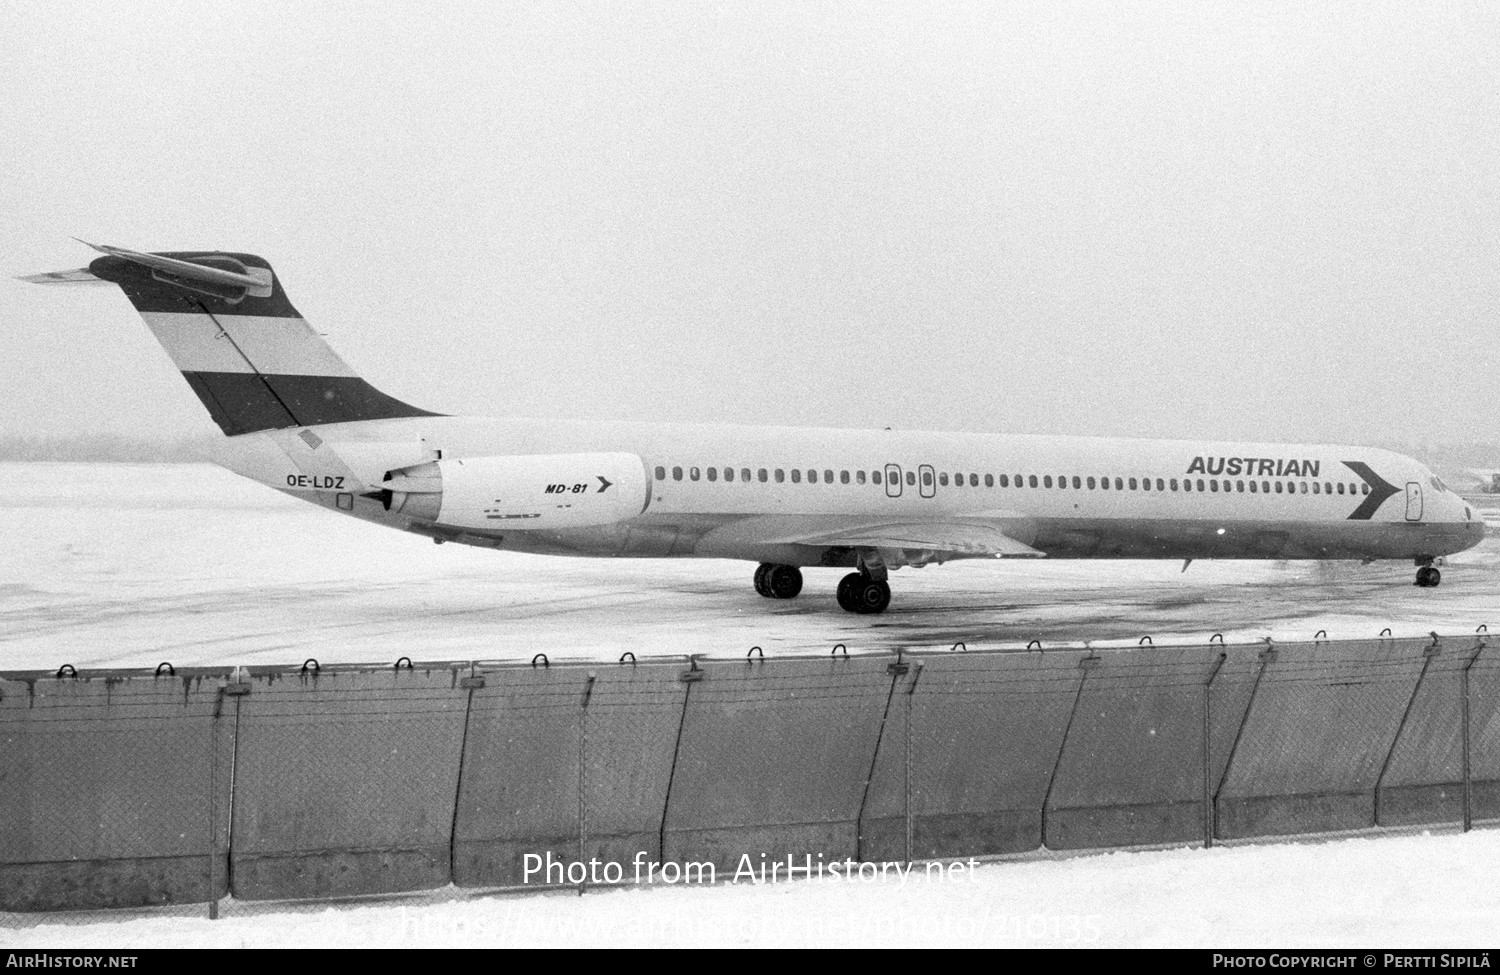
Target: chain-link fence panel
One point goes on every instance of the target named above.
(969, 748)
(630, 729)
(773, 760)
(1134, 761)
(1423, 780)
(1229, 694)
(345, 780)
(1322, 720)
(1484, 735)
(519, 808)
(114, 789)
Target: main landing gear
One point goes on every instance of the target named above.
(1427, 574)
(859, 593)
(778, 581)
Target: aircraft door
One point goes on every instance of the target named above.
(893, 480)
(1413, 501)
(927, 480)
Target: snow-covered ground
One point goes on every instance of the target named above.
(1389, 891)
(128, 565)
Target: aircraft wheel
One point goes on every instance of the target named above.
(847, 587)
(783, 581)
(1428, 577)
(761, 571)
(871, 597)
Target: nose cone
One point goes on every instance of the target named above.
(1471, 527)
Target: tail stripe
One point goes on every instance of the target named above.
(202, 343)
(249, 356)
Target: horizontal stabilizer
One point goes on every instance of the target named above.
(228, 276)
(81, 276)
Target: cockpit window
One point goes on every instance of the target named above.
(1437, 483)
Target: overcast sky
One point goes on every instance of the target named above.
(1206, 219)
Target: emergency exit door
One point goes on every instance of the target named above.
(1413, 501)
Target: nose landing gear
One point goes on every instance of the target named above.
(1428, 576)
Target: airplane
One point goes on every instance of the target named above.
(298, 419)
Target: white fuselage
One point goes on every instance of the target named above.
(1067, 497)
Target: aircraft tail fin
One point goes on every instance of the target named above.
(227, 324)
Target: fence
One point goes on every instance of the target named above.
(138, 787)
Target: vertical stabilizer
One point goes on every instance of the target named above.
(249, 355)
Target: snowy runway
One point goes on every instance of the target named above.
(117, 565)
(128, 565)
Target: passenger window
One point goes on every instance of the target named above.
(1303, 489)
(1104, 484)
(780, 476)
(874, 477)
(745, 474)
(812, 476)
(1187, 485)
(796, 475)
(1213, 484)
(693, 474)
(1077, 481)
(661, 473)
(1278, 487)
(942, 479)
(1366, 489)
(1239, 486)
(911, 479)
(760, 475)
(1252, 487)
(1145, 484)
(843, 477)
(729, 473)
(1265, 487)
(1200, 484)
(1132, 484)
(828, 477)
(1327, 488)
(859, 477)
(1092, 484)
(927, 478)
(1173, 482)
(1159, 485)
(989, 480)
(1030, 480)
(1047, 480)
(713, 473)
(1119, 484)
(676, 473)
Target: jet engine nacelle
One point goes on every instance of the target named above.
(523, 493)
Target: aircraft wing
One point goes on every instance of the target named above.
(958, 537)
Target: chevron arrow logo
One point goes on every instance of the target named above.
(1380, 490)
